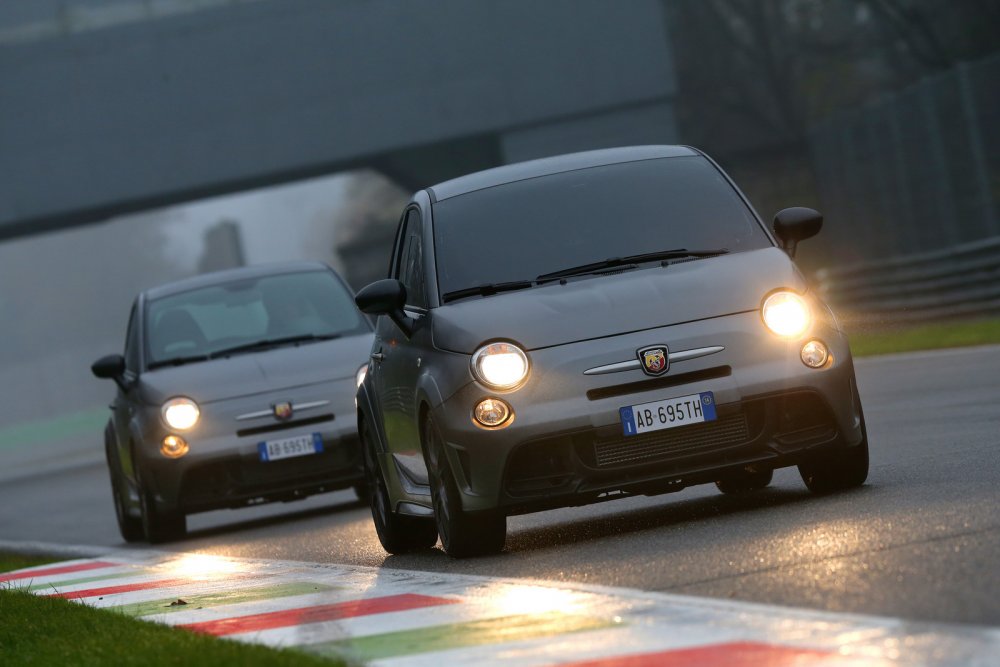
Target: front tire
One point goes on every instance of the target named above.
(840, 469)
(160, 526)
(130, 527)
(398, 534)
(463, 534)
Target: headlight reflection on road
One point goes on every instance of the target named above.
(512, 600)
(204, 566)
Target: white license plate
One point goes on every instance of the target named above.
(286, 448)
(669, 413)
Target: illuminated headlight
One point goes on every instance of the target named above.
(174, 447)
(815, 354)
(359, 377)
(181, 413)
(786, 314)
(492, 412)
(500, 365)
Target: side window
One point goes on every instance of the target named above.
(132, 343)
(411, 264)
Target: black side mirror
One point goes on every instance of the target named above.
(386, 297)
(795, 224)
(111, 367)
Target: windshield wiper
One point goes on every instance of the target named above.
(178, 361)
(487, 289)
(271, 342)
(611, 262)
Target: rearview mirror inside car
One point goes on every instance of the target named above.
(795, 224)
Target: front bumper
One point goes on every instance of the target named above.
(566, 445)
(223, 468)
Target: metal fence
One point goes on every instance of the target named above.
(917, 171)
(955, 282)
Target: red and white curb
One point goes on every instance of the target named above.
(400, 617)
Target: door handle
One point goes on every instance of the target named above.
(377, 356)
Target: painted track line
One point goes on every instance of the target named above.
(395, 617)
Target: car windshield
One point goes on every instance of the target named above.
(528, 228)
(285, 308)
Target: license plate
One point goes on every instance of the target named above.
(669, 413)
(286, 448)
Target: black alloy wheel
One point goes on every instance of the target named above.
(839, 469)
(463, 534)
(159, 526)
(398, 534)
(129, 526)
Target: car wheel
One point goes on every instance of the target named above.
(747, 482)
(463, 534)
(398, 534)
(160, 526)
(840, 469)
(129, 526)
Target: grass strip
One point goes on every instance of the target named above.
(88, 423)
(51, 631)
(871, 341)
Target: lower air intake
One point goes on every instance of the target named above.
(673, 443)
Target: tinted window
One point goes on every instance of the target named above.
(520, 230)
(411, 265)
(209, 319)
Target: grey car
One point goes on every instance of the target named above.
(595, 326)
(235, 388)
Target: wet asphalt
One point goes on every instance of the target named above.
(920, 541)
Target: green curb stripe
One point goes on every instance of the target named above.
(163, 606)
(86, 580)
(459, 635)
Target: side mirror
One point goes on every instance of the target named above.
(795, 224)
(111, 367)
(386, 297)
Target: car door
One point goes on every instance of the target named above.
(402, 355)
(123, 405)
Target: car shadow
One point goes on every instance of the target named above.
(664, 514)
(272, 520)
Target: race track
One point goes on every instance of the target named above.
(920, 541)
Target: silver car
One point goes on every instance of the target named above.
(235, 388)
(595, 326)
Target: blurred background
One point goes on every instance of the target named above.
(147, 140)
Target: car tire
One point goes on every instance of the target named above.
(748, 482)
(130, 527)
(463, 534)
(398, 534)
(363, 492)
(158, 526)
(843, 468)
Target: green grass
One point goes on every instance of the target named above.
(52, 631)
(870, 341)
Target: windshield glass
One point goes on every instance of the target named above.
(210, 319)
(527, 228)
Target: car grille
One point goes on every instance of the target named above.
(682, 441)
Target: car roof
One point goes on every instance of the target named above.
(230, 275)
(520, 171)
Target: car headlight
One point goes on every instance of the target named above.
(359, 377)
(500, 365)
(786, 314)
(180, 413)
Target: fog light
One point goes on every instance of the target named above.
(174, 447)
(815, 354)
(492, 412)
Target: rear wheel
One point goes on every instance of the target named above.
(839, 469)
(159, 526)
(463, 534)
(129, 526)
(748, 482)
(398, 534)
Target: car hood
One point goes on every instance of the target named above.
(609, 305)
(258, 372)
